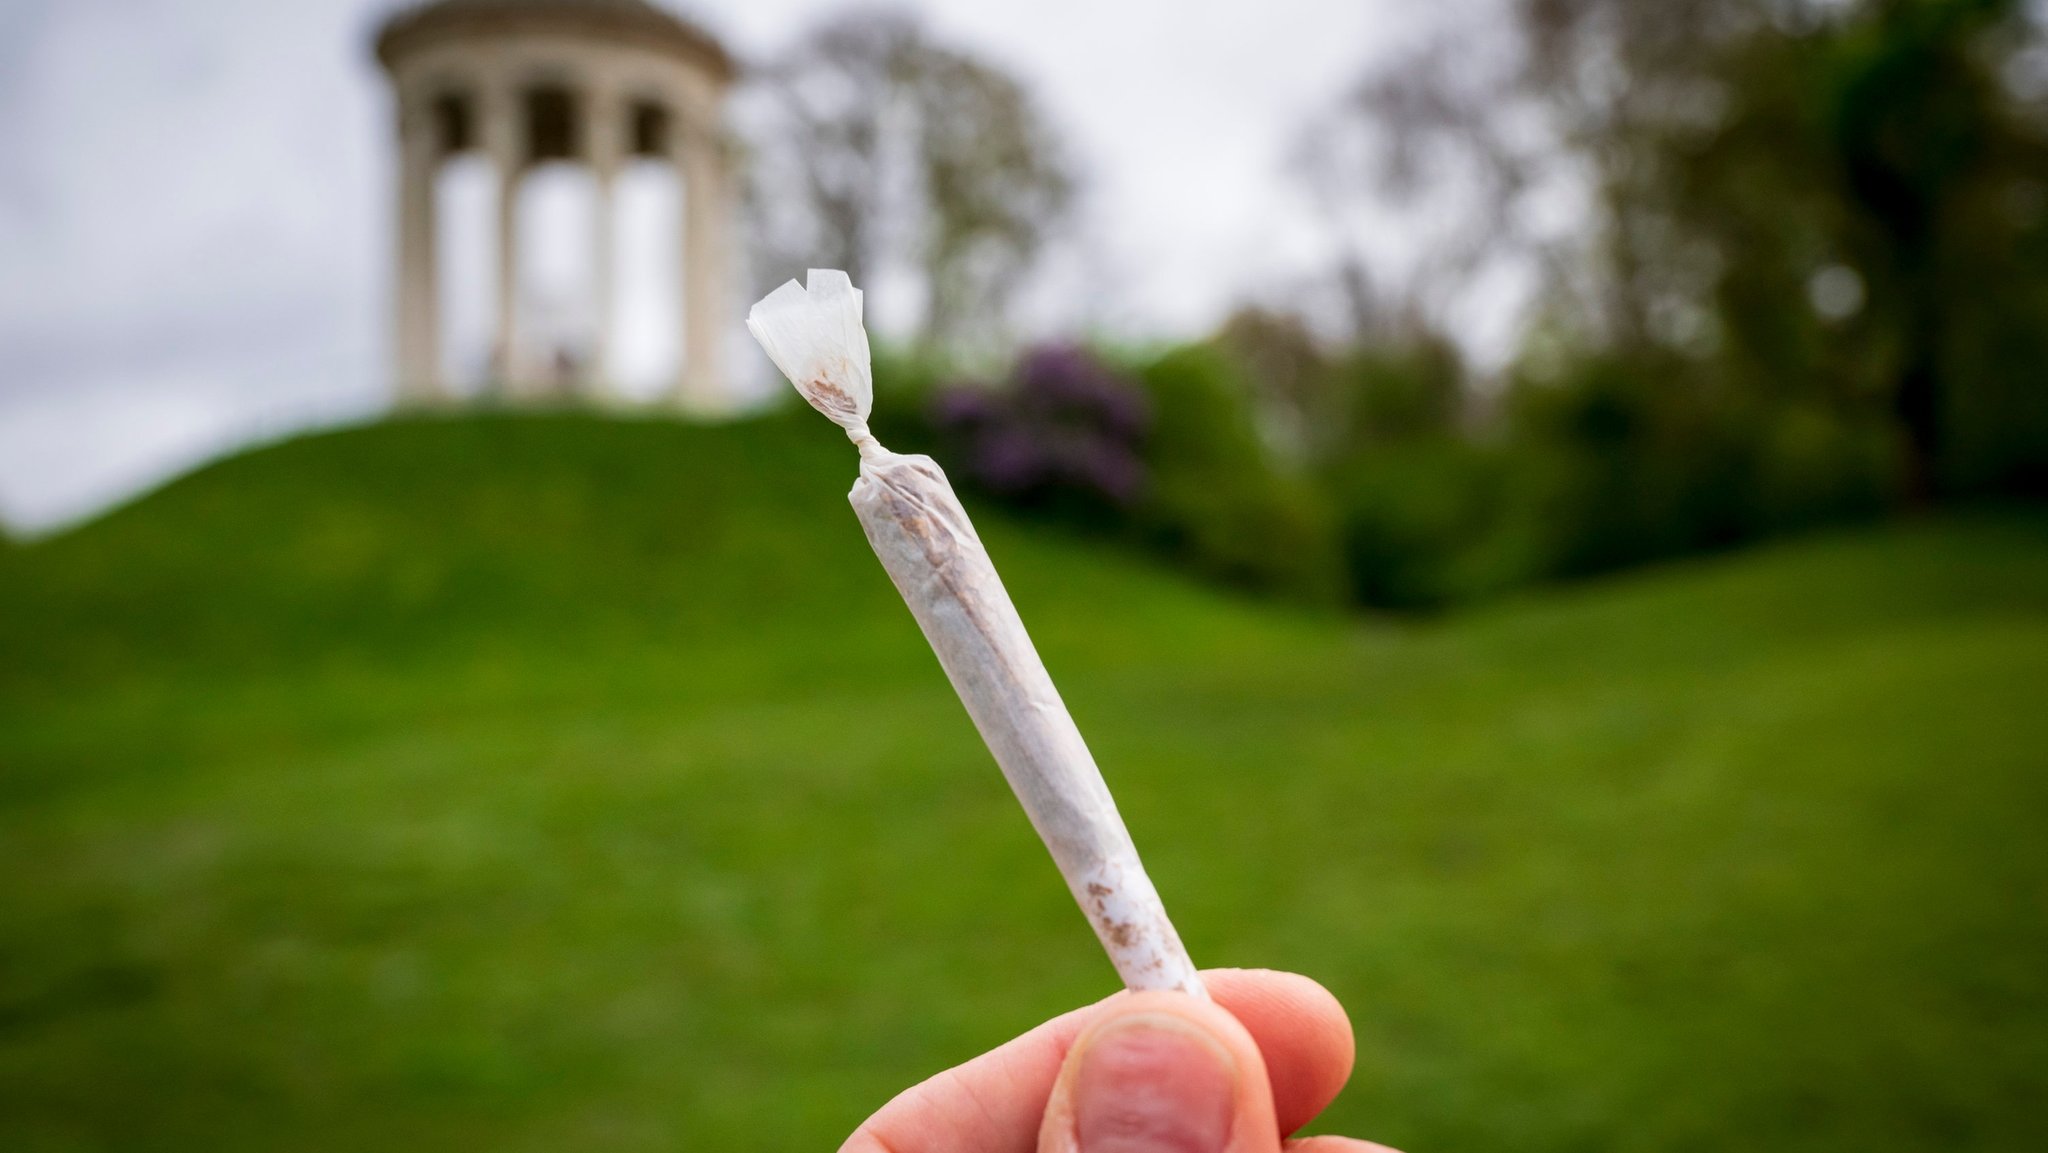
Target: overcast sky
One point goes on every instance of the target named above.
(194, 198)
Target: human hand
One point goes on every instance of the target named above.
(1143, 1072)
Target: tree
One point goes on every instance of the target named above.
(883, 152)
(1830, 203)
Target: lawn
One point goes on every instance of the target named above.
(559, 783)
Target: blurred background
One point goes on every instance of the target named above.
(1537, 505)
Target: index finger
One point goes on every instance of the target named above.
(993, 1103)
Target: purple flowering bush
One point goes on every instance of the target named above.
(1065, 433)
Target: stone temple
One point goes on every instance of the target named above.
(598, 83)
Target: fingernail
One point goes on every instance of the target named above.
(1153, 1083)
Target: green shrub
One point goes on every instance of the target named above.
(1215, 499)
(1814, 467)
(1407, 392)
(1633, 461)
(1430, 523)
(1996, 416)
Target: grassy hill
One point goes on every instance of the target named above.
(547, 783)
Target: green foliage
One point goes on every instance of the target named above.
(1424, 511)
(1433, 522)
(1824, 221)
(1638, 461)
(556, 783)
(1884, 148)
(1215, 498)
(1619, 463)
(1400, 392)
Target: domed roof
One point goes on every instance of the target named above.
(625, 21)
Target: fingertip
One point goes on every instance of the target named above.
(1175, 1068)
(1210, 1018)
(1335, 1145)
(1302, 1031)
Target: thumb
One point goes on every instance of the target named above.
(1161, 1073)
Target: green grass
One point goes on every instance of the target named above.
(552, 783)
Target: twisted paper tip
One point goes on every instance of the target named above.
(813, 333)
(870, 448)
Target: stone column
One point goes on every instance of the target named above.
(419, 314)
(604, 126)
(504, 139)
(707, 305)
